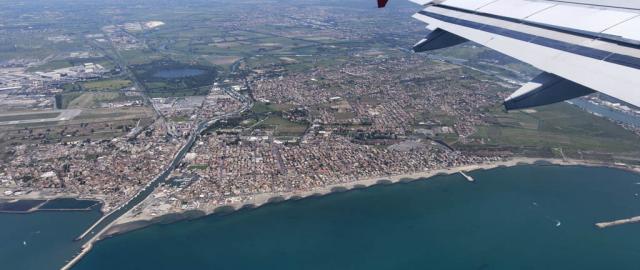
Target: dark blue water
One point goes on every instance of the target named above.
(19, 206)
(68, 204)
(41, 240)
(526, 217)
(178, 73)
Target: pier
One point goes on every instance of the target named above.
(468, 177)
(603, 225)
(90, 229)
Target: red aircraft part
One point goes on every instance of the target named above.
(382, 3)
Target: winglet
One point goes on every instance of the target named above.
(382, 3)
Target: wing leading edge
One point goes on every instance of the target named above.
(582, 48)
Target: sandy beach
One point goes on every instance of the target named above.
(129, 222)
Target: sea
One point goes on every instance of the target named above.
(522, 217)
(43, 239)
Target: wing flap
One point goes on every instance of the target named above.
(545, 89)
(438, 39)
(605, 67)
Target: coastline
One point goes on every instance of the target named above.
(128, 223)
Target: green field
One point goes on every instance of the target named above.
(115, 114)
(283, 127)
(555, 128)
(260, 107)
(106, 85)
(30, 116)
(91, 99)
(198, 167)
(70, 62)
(63, 100)
(52, 65)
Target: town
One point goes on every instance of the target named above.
(287, 101)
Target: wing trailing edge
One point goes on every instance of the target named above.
(438, 39)
(545, 89)
(581, 48)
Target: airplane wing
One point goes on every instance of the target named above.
(582, 46)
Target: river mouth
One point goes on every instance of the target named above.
(178, 73)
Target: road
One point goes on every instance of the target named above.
(108, 219)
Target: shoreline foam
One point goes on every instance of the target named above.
(127, 223)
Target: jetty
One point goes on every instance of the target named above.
(468, 177)
(105, 222)
(603, 225)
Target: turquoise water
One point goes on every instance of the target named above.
(178, 73)
(41, 240)
(526, 217)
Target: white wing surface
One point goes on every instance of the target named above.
(582, 46)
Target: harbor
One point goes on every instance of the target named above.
(104, 222)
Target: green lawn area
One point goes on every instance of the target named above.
(70, 62)
(260, 107)
(90, 99)
(65, 99)
(51, 65)
(283, 127)
(108, 85)
(179, 118)
(31, 116)
(198, 167)
(558, 126)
